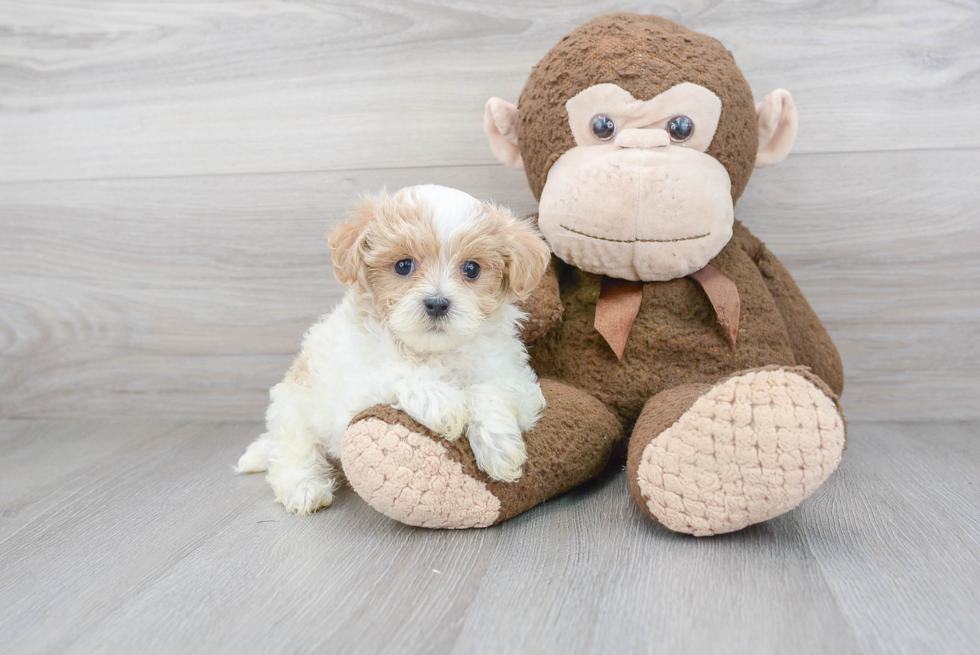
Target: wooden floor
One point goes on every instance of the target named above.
(136, 537)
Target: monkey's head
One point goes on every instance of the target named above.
(637, 136)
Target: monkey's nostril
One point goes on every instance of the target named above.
(436, 307)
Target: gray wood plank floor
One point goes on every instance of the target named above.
(136, 537)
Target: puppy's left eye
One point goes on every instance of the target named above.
(471, 270)
(405, 267)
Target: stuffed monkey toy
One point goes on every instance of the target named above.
(663, 330)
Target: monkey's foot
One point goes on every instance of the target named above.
(707, 460)
(411, 475)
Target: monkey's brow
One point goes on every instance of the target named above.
(592, 236)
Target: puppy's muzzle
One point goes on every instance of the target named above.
(436, 307)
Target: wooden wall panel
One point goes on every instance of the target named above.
(167, 173)
(133, 88)
(189, 295)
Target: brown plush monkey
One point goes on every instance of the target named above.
(664, 328)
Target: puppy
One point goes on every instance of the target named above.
(428, 325)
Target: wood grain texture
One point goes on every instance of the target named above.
(189, 296)
(150, 544)
(130, 88)
(900, 534)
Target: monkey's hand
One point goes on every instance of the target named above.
(543, 307)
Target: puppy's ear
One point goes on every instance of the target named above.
(348, 241)
(528, 257)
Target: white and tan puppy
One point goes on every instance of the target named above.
(428, 325)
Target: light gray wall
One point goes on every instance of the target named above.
(168, 171)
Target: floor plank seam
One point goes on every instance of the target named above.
(838, 601)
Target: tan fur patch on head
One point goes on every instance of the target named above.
(348, 241)
(381, 231)
(402, 231)
(440, 235)
(406, 231)
(511, 254)
(528, 257)
(485, 244)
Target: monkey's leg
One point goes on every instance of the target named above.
(708, 459)
(411, 475)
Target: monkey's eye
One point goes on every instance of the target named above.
(405, 267)
(680, 128)
(470, 269)
(603, 127)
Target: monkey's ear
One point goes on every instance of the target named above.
(500, 124)
(777, 120)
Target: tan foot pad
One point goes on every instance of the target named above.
(751, 448)
(410, 478)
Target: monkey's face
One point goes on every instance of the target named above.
(638, 135)
(637, 198)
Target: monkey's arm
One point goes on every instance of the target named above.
(543, 306)
(812, 345)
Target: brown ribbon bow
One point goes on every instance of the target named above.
(619, 305)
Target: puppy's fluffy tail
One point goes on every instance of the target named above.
(256, 457)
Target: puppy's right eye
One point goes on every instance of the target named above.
(404, 267)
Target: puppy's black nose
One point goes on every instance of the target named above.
(436, 307)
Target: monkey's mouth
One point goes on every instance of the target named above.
(592, 236)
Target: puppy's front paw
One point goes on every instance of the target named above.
(530, 407)
(501, 456)
(302, 495)
(451, 423)
(440, 407)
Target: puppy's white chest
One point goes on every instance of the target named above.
(459, 366)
